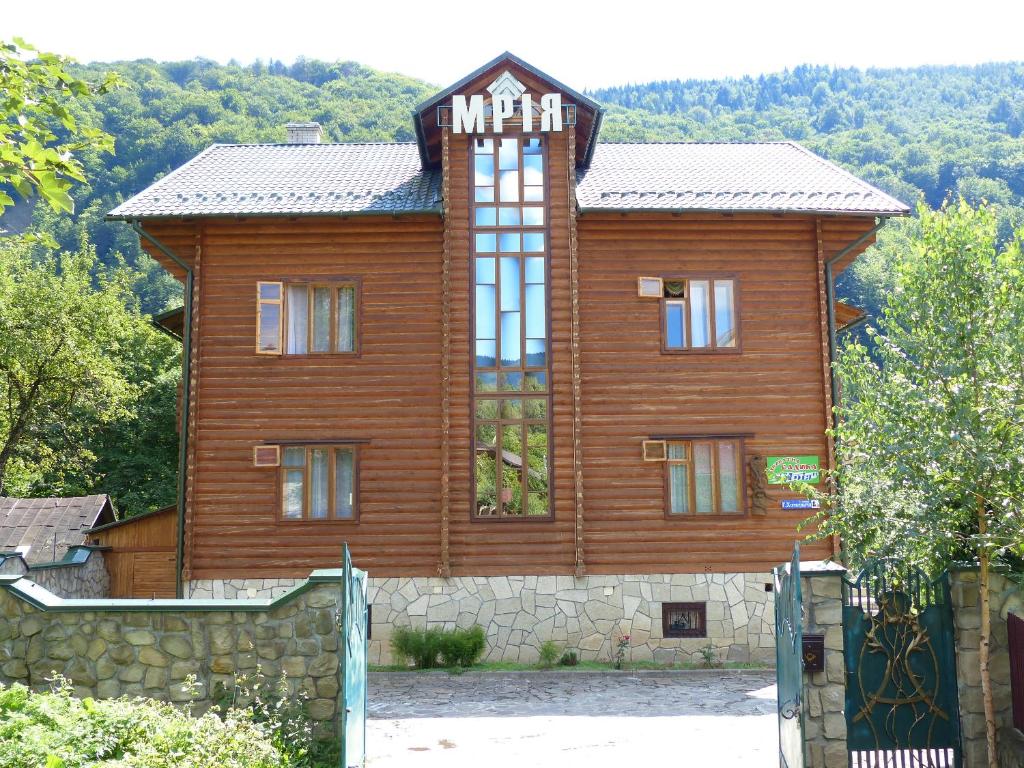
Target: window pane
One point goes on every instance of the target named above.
(512, 409)
(531, 146)
(294, 457)
(533, 216)
(485, 216)
(511, 355)
(728, 477)
(486, 471)
(535, 409)
(510, 293)
(675, 325)
(538, 504)
(485, 312)
(535, 326)
(321, 319)
(344, 483)
(511, 470)
(292, 495)
(509, 186)
(270, 290)
(484, 166)
(533, 194)
(487, 410)
(508, 242)
(533, 242)
(484, 146)
(270, 324)
(508, 217)
(485, 271)
(508, 155)
(298, 319)
(486, 382)
(536, 381)
(537, 457)
(677, 451)
(318, 490)
(533, 170)
(486, 242)
(484, 194)
(678, 488)
(725, 314)
(536, 356)
(511, 382)
(700, 328)
(346, 319)
(534, 269)
(702, 478)
(486, 351)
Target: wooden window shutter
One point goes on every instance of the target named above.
(655, 450)
(269, 318)
(266, 456)
(649, 287)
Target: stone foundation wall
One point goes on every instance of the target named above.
(107, 650)
(1005, 597)
(824, 692)
(588, 614)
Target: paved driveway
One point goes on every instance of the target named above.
(719, 719)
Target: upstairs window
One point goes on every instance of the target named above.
(318, 482)
(697, 314)
(703, 476)
(306, 318)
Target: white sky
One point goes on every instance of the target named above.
(585, 43)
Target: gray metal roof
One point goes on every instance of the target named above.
(327, 179)
(291, 179)
(43, 529)
(764, 176)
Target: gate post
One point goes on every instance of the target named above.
(825, 691)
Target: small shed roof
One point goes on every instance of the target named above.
(41, 530)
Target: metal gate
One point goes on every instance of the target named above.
(901, 697)
(789, 661)
(353, 665)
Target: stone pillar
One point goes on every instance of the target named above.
(824, 692)
(1005, 597)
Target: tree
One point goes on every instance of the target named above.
(930, 443)
(40, 135)
(62, 363)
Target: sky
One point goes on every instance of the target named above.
(585, 43)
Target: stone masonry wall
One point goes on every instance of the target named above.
(88, 579)
(1005, 597)
(825, 692)
(110, 652)
(588, 614)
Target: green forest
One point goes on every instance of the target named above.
(922, 134)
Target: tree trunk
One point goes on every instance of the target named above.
(983, 646)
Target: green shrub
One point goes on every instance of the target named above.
(462, 647)
(56, 730)
(549, 654)
(569, 659)
(426, 648)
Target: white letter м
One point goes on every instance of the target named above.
(468, 118)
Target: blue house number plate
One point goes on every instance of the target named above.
(800, 504)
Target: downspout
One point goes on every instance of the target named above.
(186, 373)
(830, 303)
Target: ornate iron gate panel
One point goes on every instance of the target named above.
(353, 665)
(789, 661)
(901, 697)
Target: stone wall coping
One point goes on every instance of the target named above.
(41, 598)
(77, 554)
(821, 568)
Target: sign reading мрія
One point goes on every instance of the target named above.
(793, 469)
(468, 113)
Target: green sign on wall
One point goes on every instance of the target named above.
(783, 470)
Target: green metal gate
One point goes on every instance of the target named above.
(353, 665)
(901, 696)
(789, 661)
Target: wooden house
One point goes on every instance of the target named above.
(549, 385)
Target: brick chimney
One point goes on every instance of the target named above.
(304, 133)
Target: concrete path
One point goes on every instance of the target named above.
(719, 719)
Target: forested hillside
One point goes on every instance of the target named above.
(920, 134)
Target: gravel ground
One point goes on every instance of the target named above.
(534, 719)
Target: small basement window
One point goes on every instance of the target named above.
(684, 620)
